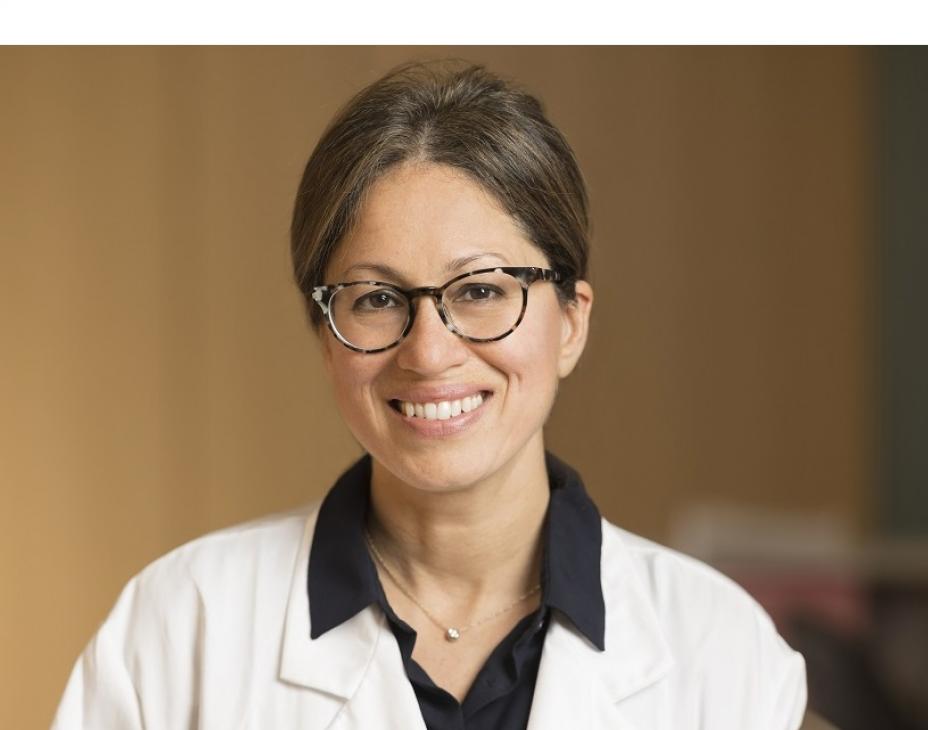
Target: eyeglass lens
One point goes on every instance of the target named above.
(481, 306)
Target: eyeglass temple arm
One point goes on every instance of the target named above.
(536, 273)
(319, 297)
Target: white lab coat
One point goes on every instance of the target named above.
(215, 636)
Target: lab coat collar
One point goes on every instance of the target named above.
(359, 662)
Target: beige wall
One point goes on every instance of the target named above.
(158, 380)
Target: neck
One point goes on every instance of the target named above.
(483, 540)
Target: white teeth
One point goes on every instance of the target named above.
(441, 410)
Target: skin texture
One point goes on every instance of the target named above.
(457, 509)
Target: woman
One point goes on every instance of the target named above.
(457, 576)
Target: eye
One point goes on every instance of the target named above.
(379, 299)
(477, 293)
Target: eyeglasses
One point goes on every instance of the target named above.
(480, 306)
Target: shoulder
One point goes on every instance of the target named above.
(670, 577)
(232, 581)
(191, 613)
(727, 655)
(266, 540)
(692, 601)
(258, 555)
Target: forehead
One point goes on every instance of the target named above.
(419, 218)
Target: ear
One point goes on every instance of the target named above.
(575, 325)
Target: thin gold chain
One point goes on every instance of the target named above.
(452, 633)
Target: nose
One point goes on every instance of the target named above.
(430, 348)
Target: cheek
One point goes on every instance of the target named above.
(350, 374)
(530, 354)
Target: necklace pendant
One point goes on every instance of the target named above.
(452, 634)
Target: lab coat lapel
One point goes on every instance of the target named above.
(385, 698)
(353, 674)
(581, 685)
(569, 692)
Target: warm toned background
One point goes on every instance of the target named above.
(158, 379)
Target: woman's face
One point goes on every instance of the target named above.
(421, 224)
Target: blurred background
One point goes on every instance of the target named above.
(755, 390)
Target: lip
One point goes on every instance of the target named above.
(437, 428)
(436, 393)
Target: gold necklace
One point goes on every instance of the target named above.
(451, 633)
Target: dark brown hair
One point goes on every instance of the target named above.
(457, 114)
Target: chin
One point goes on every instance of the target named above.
(437, 471)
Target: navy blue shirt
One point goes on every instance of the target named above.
(342, 581)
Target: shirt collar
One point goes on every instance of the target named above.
(342, 579)
(573, 543)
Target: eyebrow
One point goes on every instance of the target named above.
(392, 274)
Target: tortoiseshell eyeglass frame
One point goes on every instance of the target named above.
(525, 275)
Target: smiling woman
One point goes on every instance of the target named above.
(431, 221)
(458, 575)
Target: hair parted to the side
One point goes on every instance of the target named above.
(455, 113)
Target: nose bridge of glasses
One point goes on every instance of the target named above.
(435, 294)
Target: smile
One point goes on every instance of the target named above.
(442, 410)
